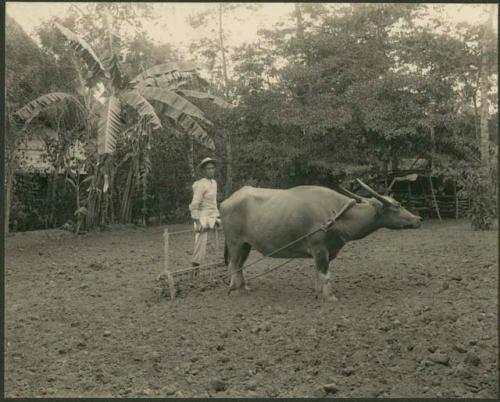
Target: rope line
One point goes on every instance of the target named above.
(180, 231)
(270, 270)
(185, 231)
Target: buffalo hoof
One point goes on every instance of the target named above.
(239, 290)
(331, 298)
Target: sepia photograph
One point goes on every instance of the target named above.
(250, 200)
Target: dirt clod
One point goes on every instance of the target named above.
(251, 385)
(319, 392)
(218, 385)
(440, 358)
(459, 348)
(168, 391)
(472, 359)
(331, 388)
(281, 310)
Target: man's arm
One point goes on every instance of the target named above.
(194, 207)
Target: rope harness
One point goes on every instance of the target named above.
(325, 227)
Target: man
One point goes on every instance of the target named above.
(204, 209)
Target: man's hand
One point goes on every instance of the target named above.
(197, 224)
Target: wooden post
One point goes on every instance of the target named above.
(456, 198)
(166, 269)
(434, 199)
(388, 189)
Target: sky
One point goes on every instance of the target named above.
(172, 27)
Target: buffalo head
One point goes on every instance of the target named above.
(393, 215)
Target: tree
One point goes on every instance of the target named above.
(151, 96)
(28, 72)
(482, 187)
(359, 89)
(484, 85)
(218, 12)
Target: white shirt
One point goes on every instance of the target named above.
(204, 203)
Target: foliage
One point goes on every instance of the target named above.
(110, 118)
(474, 185)
(330, 93)
(155, 95)
(484, 199)
(29, 72)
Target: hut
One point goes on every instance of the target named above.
(414, 184)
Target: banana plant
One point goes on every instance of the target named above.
(158, 90)
(160, 84)
(75, 180)
(154, 95)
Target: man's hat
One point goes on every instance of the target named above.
(205, 161)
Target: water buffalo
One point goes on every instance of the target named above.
(267, 219)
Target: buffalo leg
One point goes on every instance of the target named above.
(323, 285)
(237, 257)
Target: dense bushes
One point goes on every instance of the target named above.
(482, 192)
(32, 207)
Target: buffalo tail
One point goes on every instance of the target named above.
(226, 254)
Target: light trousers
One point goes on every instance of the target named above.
(208, 224)
(200, 247)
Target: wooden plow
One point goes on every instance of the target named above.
(170, 277)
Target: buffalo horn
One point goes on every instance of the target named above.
(349, 194)
(379, 197)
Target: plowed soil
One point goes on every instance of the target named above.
(416, 317)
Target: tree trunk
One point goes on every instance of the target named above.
(433, 146)
(144, 186)
(300, 24)
(477, 135)
(11, 167)
(93, 204)
(484, 144)
(223, 53)
(105, 208)
(229, 165)
(53, 193)
(305, 55)
(191, 158)
(127, 195)
(79, 216)
(227, 139)
(476, 118)
(111, 191)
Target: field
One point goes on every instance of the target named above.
(416, 317)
